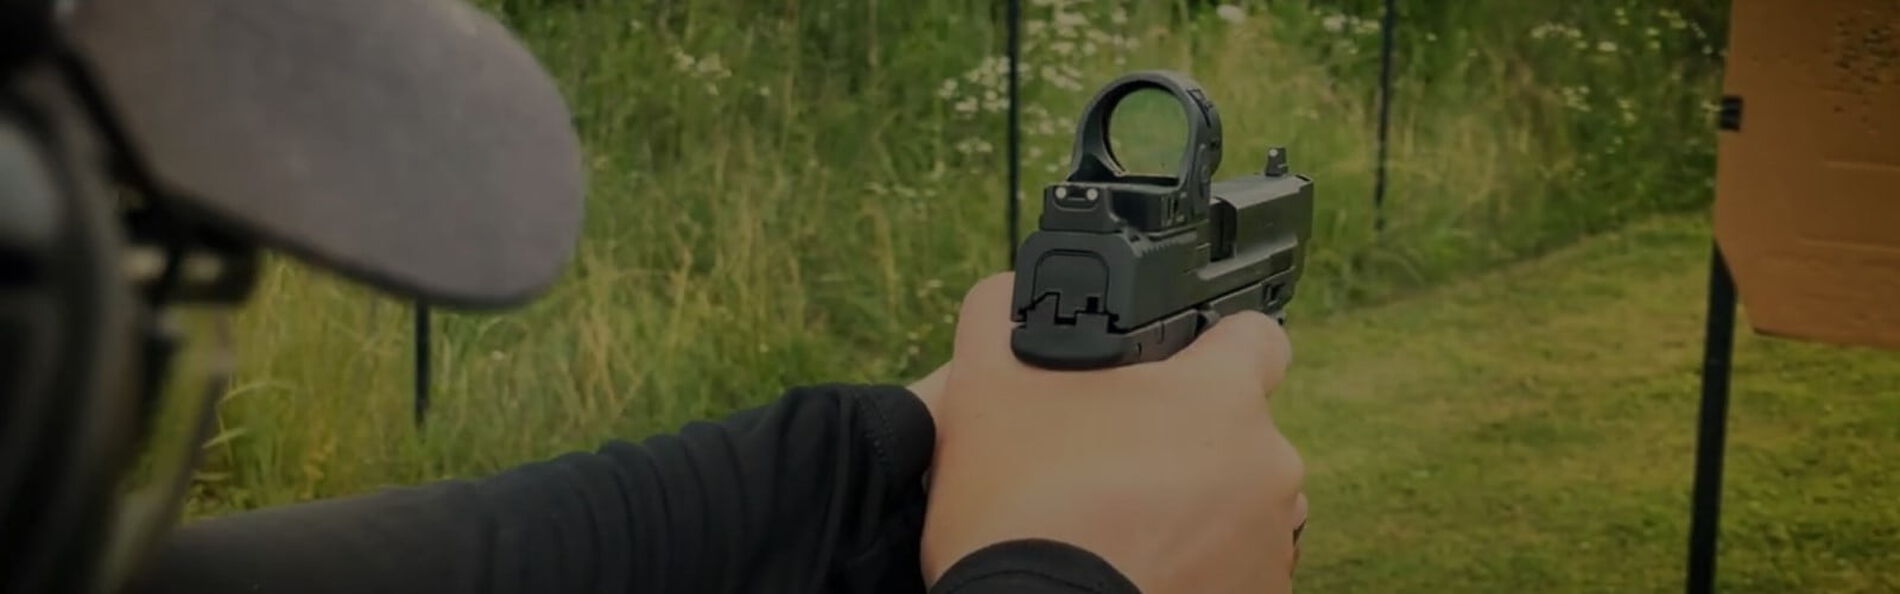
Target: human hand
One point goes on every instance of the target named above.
(1172, 471)
(930, 387)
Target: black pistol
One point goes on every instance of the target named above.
(1125, 268)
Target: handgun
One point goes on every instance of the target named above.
(1128, 267)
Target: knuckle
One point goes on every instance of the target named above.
(987, 293)
(1254, 334)
(999, 283)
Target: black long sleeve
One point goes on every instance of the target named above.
(1033, 566)
(821, 491)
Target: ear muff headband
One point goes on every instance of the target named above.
(67, 407)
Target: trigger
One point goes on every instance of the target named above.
(1204, 320)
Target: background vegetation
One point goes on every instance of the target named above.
(797, 191)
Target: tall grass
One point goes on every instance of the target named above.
(798, 191)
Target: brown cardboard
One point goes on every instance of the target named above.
(1807, 207)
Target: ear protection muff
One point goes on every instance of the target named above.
(68, 319)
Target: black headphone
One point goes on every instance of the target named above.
(122, 170)
(67, 330)
(83, 346)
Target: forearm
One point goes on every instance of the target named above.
(820, 491)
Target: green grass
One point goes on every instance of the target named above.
(1533, 431)
(793, 192)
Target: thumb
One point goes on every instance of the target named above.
(1248, 342)
(983, 322)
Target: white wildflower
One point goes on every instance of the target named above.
(966, 106)
(1118, 16)
(1675, 19)
(948, 90)
(1608, 47)
(1333, 23)
(1070, 20)
(713, 68)
(1576, 98)
(1231, 13)
(974, 146)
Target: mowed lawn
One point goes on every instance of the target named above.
(1532, 430)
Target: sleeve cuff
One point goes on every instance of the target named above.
(904, 433)
(1033, 565)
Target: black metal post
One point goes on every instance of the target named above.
(422, 363)
(1718, 344)
(1014, 51)
(1386, 25)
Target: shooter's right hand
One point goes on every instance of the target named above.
(1172, 471)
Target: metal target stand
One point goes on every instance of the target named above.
(422, 373)
(1718, 345)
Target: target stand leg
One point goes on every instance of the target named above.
(1718, 344)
